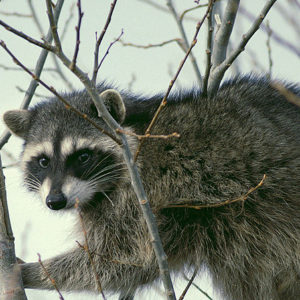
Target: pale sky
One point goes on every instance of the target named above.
(36, 228)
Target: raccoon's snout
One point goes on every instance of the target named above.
(56, 201)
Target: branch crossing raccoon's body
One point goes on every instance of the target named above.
(226, 145)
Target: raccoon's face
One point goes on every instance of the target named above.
(65, 159)
(72, 170)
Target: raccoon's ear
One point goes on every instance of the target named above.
(17, 121)
(114, 104)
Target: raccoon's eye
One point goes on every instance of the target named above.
(84, 157)
(44, 162)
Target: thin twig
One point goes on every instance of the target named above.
(150, 136)
(191, 9)
(171, 84)
(57, 69)
(53, 91)
(21, 90)
(276, 37)
(14, 14)
(53, 26)
(107, 51)
(226, 202)
(87, 250)
(217, 74)
(49, 277)
(44, 45)
(80, 15)
(198, 288)
(99, 41)
(131, 82)
(185, 41)
(178, 41)
(7, 68)
(269, 49)
(189, 284)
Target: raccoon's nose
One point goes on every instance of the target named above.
(56, 201)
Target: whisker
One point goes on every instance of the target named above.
(104, 172)
(94, 166)
(108, 198)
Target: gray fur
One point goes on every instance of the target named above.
(226, 145)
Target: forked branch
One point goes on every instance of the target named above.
(217, 74)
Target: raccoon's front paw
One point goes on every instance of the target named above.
(34, 276)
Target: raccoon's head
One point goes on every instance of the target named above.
(65, 159)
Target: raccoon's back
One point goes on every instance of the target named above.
(227, 143)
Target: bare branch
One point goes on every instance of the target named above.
(198, 288)
(178, 41)
(277, 38)
(53, 26)
(226, 202)
(217, 74)
(14, 14)
(38, 70)
(164, 100)
(11, 286)
(29, 39)
(210, 31)
(57, 69)
(149, 136)
(223, 35)
(269, 49)
(80, 15)
(87, 250)
(191, 9)
(49, 277)
(99, 41)
(185, 40)
(107, 51)
(189, 284)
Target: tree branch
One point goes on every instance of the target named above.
(185, 40)
(38, 69)
(217, 74)
(223, 35)
(210, 31)
(99, 41)
(276, 37)
(11, 285)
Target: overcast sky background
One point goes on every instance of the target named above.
(148, 71)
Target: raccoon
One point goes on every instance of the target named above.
(227, 143)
